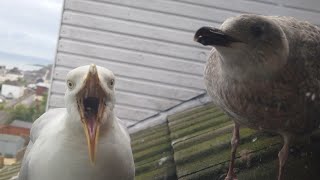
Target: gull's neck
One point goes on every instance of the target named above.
(241, 66)
(234, 67)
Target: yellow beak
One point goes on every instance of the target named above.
(92, 134)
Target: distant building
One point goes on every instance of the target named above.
(10, 144)
(17, 128)
(11, 90)
(16, 131)
(42, 88)
(14, 136)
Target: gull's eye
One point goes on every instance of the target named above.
(70, 84)
(257, 30)
(112, 82)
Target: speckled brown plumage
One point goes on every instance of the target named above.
(267, 77)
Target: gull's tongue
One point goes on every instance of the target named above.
(92, 130)
(91, 125)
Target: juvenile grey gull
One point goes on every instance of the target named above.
(264, 72)
(83, 141)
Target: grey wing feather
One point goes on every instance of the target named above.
(37, 126)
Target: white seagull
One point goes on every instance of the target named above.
(85, 140)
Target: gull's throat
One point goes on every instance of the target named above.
(91, 106)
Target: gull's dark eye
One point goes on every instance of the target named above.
(257, 30)
(112, 82)
(70, 84)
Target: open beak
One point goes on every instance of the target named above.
(91, 105)
(214, 37)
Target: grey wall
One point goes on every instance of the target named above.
(149, 45)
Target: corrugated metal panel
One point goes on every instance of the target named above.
(148, 45)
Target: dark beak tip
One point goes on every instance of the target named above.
(201, 39)
(197, 38)
(201, 35)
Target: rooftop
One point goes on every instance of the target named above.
(22, 124)
(42, 84)
(200, 146)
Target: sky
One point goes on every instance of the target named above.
(29, 28)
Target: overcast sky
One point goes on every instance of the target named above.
(30, 27)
